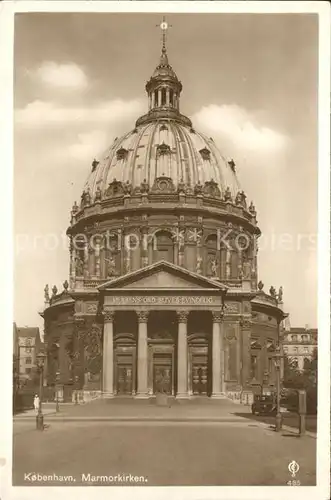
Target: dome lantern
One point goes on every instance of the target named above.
(164, 89)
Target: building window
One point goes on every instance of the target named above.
(163, 97)
(294, 338)
(270, 365)
(163, 248)
(305, 350)
(28, 361)
(27, 370)
(253, 366)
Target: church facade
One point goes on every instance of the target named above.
(163, 292)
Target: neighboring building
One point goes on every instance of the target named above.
(29, 344)
(16, 357)
(156, 301)
(299, 345)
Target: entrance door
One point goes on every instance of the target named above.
(199, 377)
(124, 379)
(162, 374)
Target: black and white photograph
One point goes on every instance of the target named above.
(167, 185)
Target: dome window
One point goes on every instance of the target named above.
(232, 165)
(163, 127)
(205, 153)
(95, 163)
(121, 154)
(163, 149)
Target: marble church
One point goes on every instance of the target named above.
(163, 293)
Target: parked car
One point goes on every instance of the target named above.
(264, 404)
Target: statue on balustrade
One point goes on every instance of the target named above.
(111, 266)
(213, 267)
(79, 266)
(280, 294)
(46, 290)
(247, 270)
(199, 264)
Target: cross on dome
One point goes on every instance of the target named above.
(164, 27)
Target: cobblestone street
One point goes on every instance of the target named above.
(230, 451)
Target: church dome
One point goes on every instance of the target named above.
(163, 148)
(162, 144)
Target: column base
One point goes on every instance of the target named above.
(107, 395)
(182, 395)
(218, 395)
(142, 395)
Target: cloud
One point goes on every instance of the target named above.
(42, 113)
(88, 145)
(68, 76)
(240, 127)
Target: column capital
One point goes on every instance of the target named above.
(142, 316)
(182, 316)
(218, 316)
(108, 316)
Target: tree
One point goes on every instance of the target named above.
(302, 379)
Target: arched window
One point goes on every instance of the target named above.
(234, 265)
(163, 97)
(163, 247)
(156, 98)
(211, 260)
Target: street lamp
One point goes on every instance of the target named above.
(277, 365)
(57, 380)
(76, 389)
(40, 367)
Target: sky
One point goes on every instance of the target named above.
(249, 81)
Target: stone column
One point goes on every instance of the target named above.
(245, 324)
(228, 264)
(142, 390)
(86, 260)
(144, 246)
(108, 355)
(159, 97)
(97, 257)
(182, 387)
(72, 264)
(153, 100)
(167, 97)
(218, 386)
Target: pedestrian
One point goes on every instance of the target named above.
(36, 403)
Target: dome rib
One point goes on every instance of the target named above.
(184, 162)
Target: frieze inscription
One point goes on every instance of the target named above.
(163, 300)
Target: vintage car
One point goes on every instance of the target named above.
(264, 404)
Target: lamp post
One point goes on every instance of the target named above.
(57, 379)
(40, 366)
(76, 389)
(277, 365)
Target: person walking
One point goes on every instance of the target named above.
(36, 403)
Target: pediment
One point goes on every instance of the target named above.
(163, 276)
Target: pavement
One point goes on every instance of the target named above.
(127, 409)
(184, 444)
